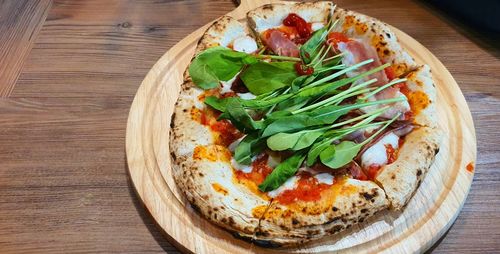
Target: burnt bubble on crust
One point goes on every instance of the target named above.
(258, 242)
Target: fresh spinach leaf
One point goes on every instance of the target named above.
(310, 49)
(263, 77)
(336, 156)
(240, 118)
(216, 64)
(248, 147)
(282, 172)
(294, 141)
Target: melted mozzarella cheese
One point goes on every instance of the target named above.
(290, 184)
(245, 44)
(233, 145)
(316, 26)
(273, 161)
(324, 178)
(226, 85)
(376, 154)
(246, 96)
(241, 167)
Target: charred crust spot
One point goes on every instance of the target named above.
(344, 220)
(361, 220)
(172, 121)
(216, 209)
(436, 151)
(209, 212)
(386, 52)
(364, 210)
(334, 219)
(196, 208)
(372, 200)
(335, 209)
(172, 154)
(185, 110)
(268, 7)
(266, 243)
(388, 35)
(419, 172)
(205, 197)
(215, 216)
(231, 221)
(367, 196)
(223, 220)
(348, 226)
(312, 232)
(393, 177)
(201, 174)
(261, 233)
(295, 221)
(304, 209)
(335, 229)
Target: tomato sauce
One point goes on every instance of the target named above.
(335, 37)
(391, 153)
(308, 189)
(259, 172)
(372, 171)
(294, 28)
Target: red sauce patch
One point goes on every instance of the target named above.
(335, 37)
(302, 28)
(223, 131)
(259, 172)
(391, 153)
(470, 167)
(302, 69)
(372, 171)
(308, 189)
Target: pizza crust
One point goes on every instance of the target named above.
(221, 33)
(272, 15)
(352, 202)
(422, 96)
(401, 178)
(378, 34)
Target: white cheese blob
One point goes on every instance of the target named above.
(273, 161)
(233, 145)
(246, 96)
(241, 167)
(376, 154)
(226, 85)
(316, 26)
(290, 184)
(324, 178)
(245, 44)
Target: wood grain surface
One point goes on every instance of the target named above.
(63, 181)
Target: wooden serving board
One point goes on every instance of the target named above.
(429, 214)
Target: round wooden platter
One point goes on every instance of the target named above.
(429, 214)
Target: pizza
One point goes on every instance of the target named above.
(301, 122)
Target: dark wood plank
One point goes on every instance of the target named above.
(64, 184)
(20, 22)
(105, 48)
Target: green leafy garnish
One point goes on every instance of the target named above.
(216, 64)
(282, 172)
(263, 77)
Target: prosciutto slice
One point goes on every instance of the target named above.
(280, 44)
(357, 51)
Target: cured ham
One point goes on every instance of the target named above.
(357, 51)
(280, 44)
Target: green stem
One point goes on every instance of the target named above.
(287, 58)
(332, 99)
(383, 87)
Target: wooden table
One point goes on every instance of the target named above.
(69, 71)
